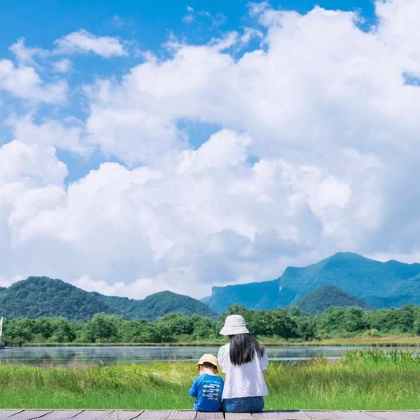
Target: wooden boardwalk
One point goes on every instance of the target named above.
(192, 415)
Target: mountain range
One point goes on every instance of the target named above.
(344, 279)
(38, 297)
(378, 284)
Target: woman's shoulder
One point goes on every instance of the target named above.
(223, 350)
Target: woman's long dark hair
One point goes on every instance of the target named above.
(243, 348)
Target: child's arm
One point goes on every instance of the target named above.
(194, 388)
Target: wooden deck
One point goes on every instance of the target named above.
(192, 415)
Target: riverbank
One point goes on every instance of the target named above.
(367, 380)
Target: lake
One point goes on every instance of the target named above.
(62, 356)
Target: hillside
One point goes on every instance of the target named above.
(205, 300)
(379, 284)
(256, 296)
(41, 296)
(373, 281)
(45, 297)
(157, 305)
(317, 301)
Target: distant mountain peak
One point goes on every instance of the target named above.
(347, 255)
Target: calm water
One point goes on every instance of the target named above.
(37, 356)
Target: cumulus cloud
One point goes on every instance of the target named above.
(65, 135)
(25, 83)
(314, 151)
(84, 42)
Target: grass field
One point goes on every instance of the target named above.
(373, 380)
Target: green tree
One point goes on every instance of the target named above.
(353, 319)
(178, 324)
(103, 328)
(63, 331)
(306, 328)
(21, 328)
(139, 331)
(203, 328)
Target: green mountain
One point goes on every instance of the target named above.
(205, 300)
(407, 292)
(263, 295)
(37, 297)
(382, 285)
(370, 280)
(44, 297)
(157, 305)
(317, 301)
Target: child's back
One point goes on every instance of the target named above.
(207, 388)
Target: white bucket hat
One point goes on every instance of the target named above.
(234, 324)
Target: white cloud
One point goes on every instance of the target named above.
(50, 133)
(25, 83)
(189, 17)
(198, 221)
(316, 152)
(322, 82)
(250, 33)
(26, 55)
(30, 165)
(400, 31)
(61, 66)
(84, 42)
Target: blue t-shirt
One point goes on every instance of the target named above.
(207, 389)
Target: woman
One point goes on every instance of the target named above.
(244, 362)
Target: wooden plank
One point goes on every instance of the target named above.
(62, 414)
(292, 415)
(5, 414)
(182, 415)
(30, 414)
(354, 415)
(394, 415)
(269, 415)
(154, 415)
(121, 415)
(413, 414)
(193, 415)
(238, 416)
(321, 415)
(92, 414)
(209, 416)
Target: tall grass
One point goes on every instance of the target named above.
(360, 380)
(370, 379)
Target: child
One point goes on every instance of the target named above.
(207, 388)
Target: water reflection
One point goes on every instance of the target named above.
(62, 356)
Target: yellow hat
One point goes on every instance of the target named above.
(208, 358)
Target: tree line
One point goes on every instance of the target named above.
(282, 324)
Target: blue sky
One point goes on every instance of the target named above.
(147, 22)
(147, 25)
(180, 145)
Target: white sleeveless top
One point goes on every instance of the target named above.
(245, 380)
